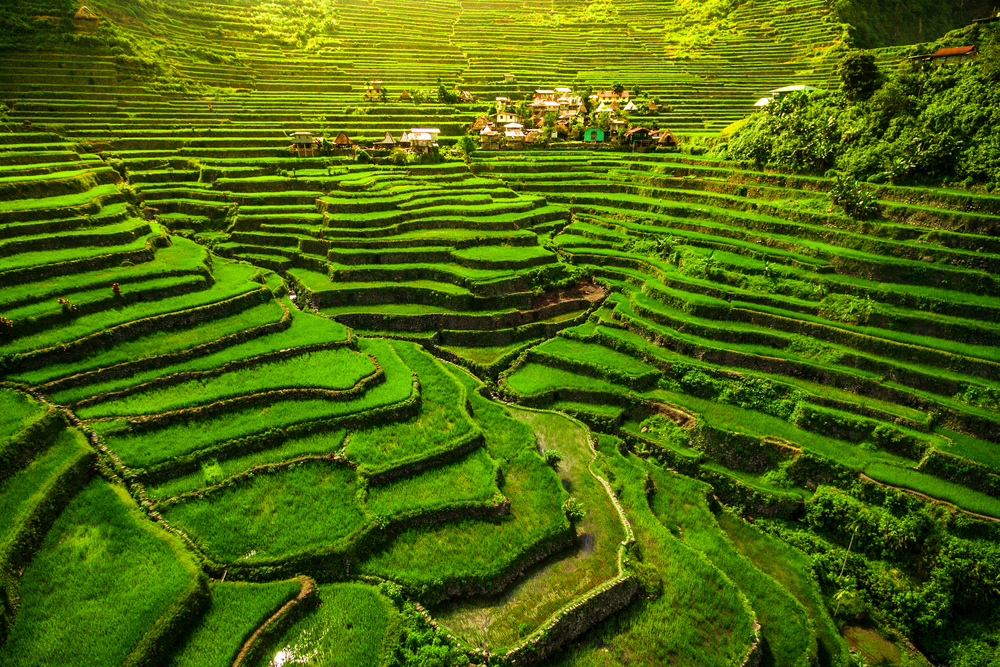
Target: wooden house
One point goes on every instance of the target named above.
(630, 107)
(503, 117)
(302, 140)
(514, 138)
(638, 137)
(466, 97)
(489, 139)
(543, 94)
(593, 135)
(85, 14)
(665, 139)
(611, 96)
(342, 142)
(618, 125)
(508, 78)
(373, 90)
(423, 139)
(405, 96)
(953, 56)
(405, 140)
(433, 131)
(387, 143)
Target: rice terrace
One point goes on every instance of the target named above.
(499, 332)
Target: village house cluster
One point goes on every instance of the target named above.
(416, 140)
(506, 127)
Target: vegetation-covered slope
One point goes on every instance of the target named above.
(574, 404)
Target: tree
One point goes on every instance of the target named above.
(446, 96)
(548, 125)
(859, 75)
(468, 146)
(574, 509)
(588, 104)
(604, 121)
(618, 88)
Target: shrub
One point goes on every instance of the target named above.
(857, 201)
(551, 457)
(859, 75)
(575, 511)
(397, 157)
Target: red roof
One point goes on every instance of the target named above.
(954, 51)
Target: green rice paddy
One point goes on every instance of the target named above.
(586, 404)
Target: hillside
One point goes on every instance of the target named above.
(649, 400)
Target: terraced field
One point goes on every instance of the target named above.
(555, 406)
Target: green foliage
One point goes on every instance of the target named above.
(857, 201)
(551, 457)
(103, 571)
(848, 308)
(420, 645)
(235, 610)
(574, 509)
(877, 23)
(271, 515)
(859, 75)
(349, 626)
(925, 123)
(467, 145)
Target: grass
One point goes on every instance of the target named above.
(104, 571)
(595, 354)
(144, 448)
(471, 549)
(168, 341)
(533, 379)
(442, 417)
(17, 410)
(42, 257)
(273, 515)
(474, 549)
(23, 491)
(497, 622)
(306, 330)
(235, 610)
(471, 478)
(791, 569)
(62, 201)
(232, 279)
(681, 504)
(182, 256)
(333, 370)
(214, 471)
(487, 355)
(907, 478)
(503, 254)
(736, 419)
(982, 451)
(699, 616)
(350, 627)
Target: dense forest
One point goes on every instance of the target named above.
(903, 122)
